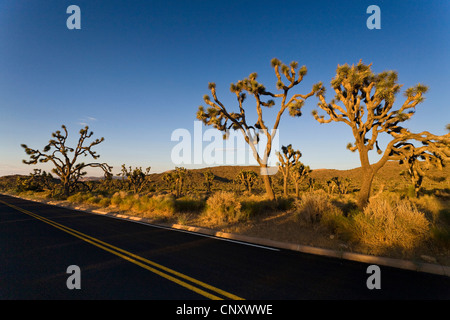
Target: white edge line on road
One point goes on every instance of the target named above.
(184, 231)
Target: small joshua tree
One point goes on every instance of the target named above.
(219, 116)
(368, 101)
(180, 175)
(340, 185)
(311, 182)
(247, 178)
(298, 173)
(68, 169)
(288, 158)
(136, 178)
(169, 179)
(418, 159)
(209, 178)
(38, 180)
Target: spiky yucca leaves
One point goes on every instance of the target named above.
(67, 169)
(365, 102)
(218, 116)
(288, 158)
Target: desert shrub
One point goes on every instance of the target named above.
(444, 216)
(386, 224)
(126, 203)
(116, 199)
(316, 207)
(75, 198)
(254, 205)
(148, 206)
(223, 207)
(93, 199)
(430, 205)
(105, 202)
(80, 197)
(156, 205)
(189, 204)
(252, 208)
(441, 236)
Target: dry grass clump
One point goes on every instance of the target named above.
(316, 208)
(223, 207)
(386, 224)
(430, 205)
(159, 206)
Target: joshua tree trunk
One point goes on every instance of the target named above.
(285, 188)
(66, 188)
(366, 186)
(297, 193)
(267, 184)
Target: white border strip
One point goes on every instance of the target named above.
(138, 220)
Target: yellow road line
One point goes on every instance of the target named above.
(136, 259)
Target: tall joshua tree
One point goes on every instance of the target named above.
(368, 101)
(219, 116)
(66, 168)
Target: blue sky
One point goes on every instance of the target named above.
(137, 70)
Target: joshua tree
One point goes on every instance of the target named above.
(67, 169)
(421, 158)
(339, 185)
(311, 183)
(209, 178)
(169, 179)
(368, 101)
(37, 180)
(288, 158)
(136, 178)
(218, 116)
(298, 174)
(247, 178)
(180, 175)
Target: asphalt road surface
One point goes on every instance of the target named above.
(119, 259)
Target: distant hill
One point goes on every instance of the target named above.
(389, 176)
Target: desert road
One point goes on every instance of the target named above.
(48, 252)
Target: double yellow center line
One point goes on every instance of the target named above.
(183, 280)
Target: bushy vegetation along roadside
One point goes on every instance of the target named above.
(394, 223)
(390, 223)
